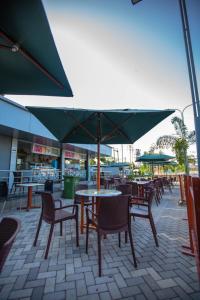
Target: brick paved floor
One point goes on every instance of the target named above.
(163, 273)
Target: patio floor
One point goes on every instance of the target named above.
(68, 273)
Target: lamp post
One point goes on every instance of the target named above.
(183, 136)
(182, 111)
(191, 73)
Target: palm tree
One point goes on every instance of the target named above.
(179, 143)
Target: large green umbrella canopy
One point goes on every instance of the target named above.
(30, 64)
(85, 126)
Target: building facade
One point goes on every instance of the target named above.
(27, 146)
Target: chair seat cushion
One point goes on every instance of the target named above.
(62, 214)
(139, 210)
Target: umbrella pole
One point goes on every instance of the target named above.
(98, 166)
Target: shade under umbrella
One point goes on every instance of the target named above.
(30, 64)
(98, 126)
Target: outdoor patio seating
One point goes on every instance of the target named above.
(52, 216)
(9, 228)
(141, 207)
(112, 217)
(18, 178)
(156, 186)
(167, 184)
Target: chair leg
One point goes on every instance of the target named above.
(153, 228)
(132, 247)
(61, 228)
(77, 232)
(38, 230)
(49, 241)
(99, 252)
(87, 236)
(119, 239)
(73, 210)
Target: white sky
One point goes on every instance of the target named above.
(108, 69)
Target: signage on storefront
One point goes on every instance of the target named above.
(45, 150)
(74, 155)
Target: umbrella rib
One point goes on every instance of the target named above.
(32, 60)
(116, 128)
(79, 125)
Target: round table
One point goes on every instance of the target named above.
(30, 186)
(94, 193)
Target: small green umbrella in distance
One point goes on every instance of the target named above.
(86, 126)
(30, 64)
(154, 157)
(165, 163)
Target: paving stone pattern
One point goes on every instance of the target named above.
(69, 273)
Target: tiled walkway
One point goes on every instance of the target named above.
(163, 273)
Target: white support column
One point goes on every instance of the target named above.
(13, 160)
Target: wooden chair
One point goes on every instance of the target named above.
(52, 215)
(112, 217)
(18, 178)
(134, 187)
(125, 189)
(167, 184)
(9, 228)
(141, 207)
(48, 187)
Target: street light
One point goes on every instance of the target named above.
(191, 72)
(182, 111)
(183, 136)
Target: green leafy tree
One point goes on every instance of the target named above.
(179, 143)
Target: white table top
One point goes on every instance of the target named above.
(141, 182)
(30, 184)
(98, 193)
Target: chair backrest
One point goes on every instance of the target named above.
(48, 186)
(48, 207)
(148, 194)
(134, 187)
(17, 176)
(125, 189)
(9, 228)
(3, 189)
(116, 181)
(113, 213)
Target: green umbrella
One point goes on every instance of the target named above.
(165, 163)
(153, 159)
(29, 61)
(85, 126)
